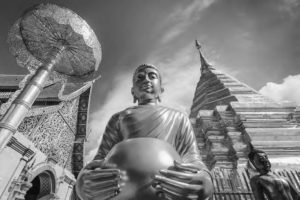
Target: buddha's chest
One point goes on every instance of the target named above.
(275, 186)
(149, 123)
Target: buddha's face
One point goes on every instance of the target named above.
(261, 163)
(146, 85)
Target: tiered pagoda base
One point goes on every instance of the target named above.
(228, 116)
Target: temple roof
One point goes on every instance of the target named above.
(217, 88)
(10, 83)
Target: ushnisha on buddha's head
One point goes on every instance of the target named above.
(259, 160)
(147, 85)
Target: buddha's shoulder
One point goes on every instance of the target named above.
(120, 113)
(124, 112)
(149, 107)
(152, 108)
(174, 110)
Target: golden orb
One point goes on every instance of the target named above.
(141, 158)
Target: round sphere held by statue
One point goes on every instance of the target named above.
(141, 158)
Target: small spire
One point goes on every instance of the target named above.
(204, 64)
(198, 46)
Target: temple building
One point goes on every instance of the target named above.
(228, 115)
(45, 155)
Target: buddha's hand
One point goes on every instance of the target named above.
(183, 182)
(99, 180)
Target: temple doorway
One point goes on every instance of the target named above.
(43, 185)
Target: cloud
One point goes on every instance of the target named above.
(290, 6)
(288, 90)
(183, 17)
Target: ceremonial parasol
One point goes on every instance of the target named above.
(49, 41)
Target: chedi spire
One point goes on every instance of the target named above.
(204, 65)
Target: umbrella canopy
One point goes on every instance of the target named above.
(44, 29)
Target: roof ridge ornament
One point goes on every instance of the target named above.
(204, 65)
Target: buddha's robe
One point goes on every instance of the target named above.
(152, 121)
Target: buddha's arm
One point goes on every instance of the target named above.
(188, 180)
(111, 136)
(256, 189)
(99, 180)
(186, 144)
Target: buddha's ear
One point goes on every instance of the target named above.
(134, 97)
(162, 89)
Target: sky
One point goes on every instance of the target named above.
(257, 42)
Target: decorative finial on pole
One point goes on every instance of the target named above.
(204, 64)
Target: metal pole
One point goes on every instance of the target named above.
(22, 104)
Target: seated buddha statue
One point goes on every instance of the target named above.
(186, 178)
(267, 185)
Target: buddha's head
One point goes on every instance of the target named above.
(146, 85)
(260, 161)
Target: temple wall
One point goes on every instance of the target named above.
(54, 133)
(41, 149)
(223, 135)
(46, 153)
(18, 169)
(10, 168)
